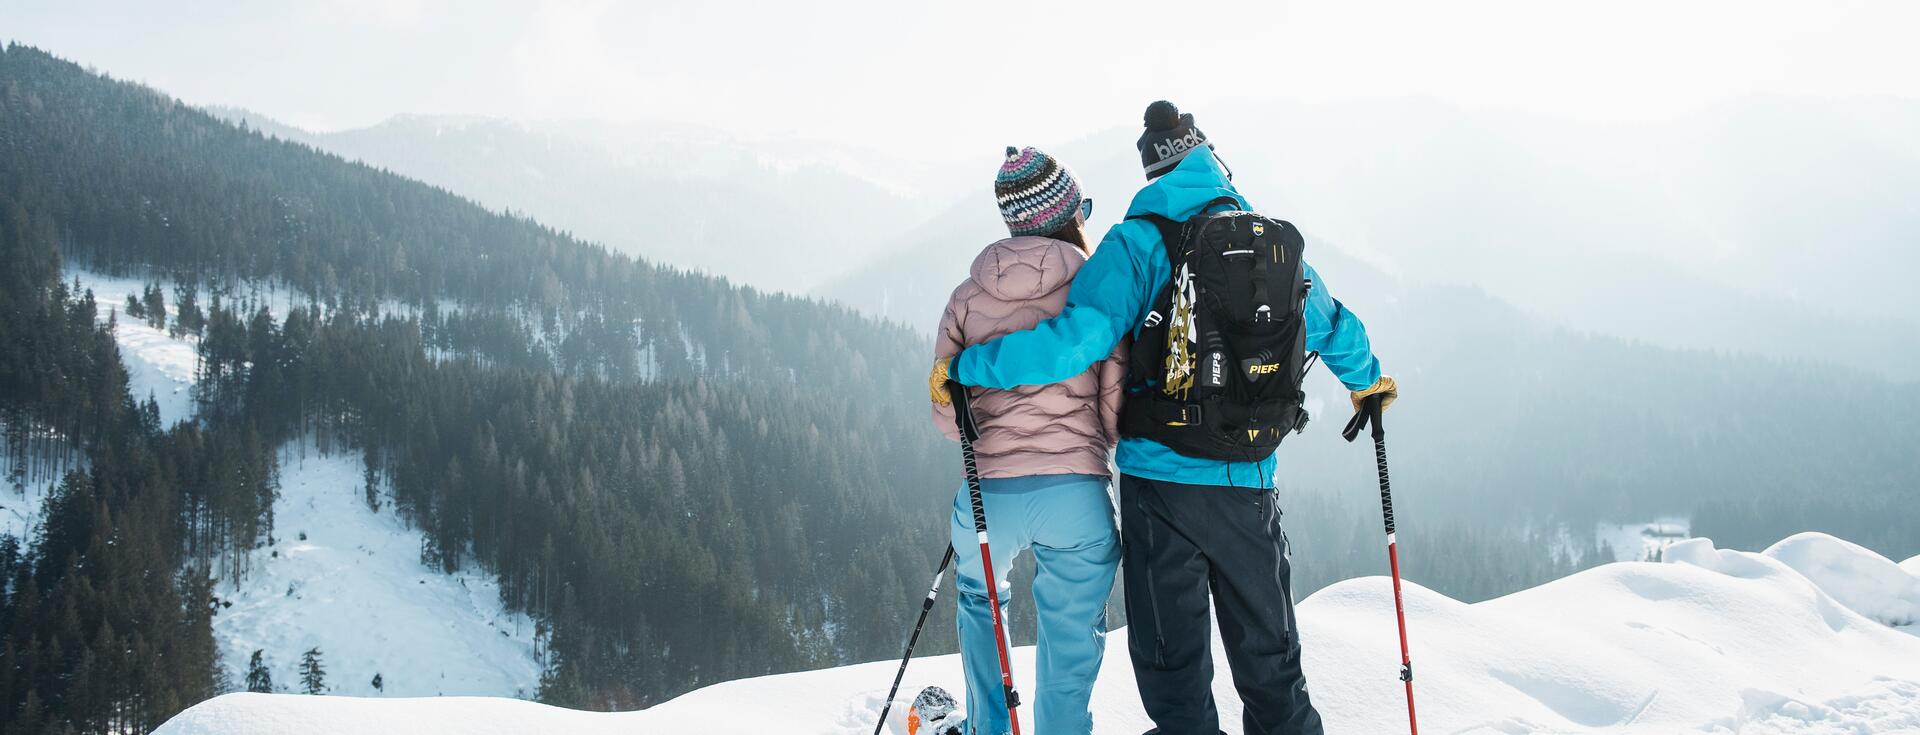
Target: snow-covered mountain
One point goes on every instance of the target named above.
(1814, 635)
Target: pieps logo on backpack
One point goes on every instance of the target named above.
(1237, 297)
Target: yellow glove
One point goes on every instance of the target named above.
(1384, 387)
(937, 382)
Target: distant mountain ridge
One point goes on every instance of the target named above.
(777, 215)
(1777, 227)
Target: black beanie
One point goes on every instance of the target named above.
(1170, 136)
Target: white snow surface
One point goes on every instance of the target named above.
(355, 587)
(1711, 641)
(158, 364)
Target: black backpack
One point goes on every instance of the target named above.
(1215, 370)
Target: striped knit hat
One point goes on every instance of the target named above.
(1037, 194)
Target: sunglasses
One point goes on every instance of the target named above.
(1086, 209)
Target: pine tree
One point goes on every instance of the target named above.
(156, 307)
(259, 679)
(313, 676)
(372, 486)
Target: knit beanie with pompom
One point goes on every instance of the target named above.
(1037, 194)
(1169, 137)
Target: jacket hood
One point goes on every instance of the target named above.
(1182, 192)
(1025, 268)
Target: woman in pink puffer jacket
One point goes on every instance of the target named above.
(1044, 455)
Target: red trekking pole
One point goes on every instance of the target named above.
(1370, 412)
(963, 416)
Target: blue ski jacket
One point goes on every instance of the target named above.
(1109, 299)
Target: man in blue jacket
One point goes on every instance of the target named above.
(1190, 527)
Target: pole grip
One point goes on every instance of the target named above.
(1369, 413)
(963, 410)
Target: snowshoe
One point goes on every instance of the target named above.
(932, 713)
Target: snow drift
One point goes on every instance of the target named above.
(1813, 635)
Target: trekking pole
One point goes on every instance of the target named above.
(926, 606)
(969, 431)
(1370, 412)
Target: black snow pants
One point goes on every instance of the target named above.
(1179, 544)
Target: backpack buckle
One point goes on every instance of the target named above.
(1176, 414)
(1189, 414)
(1153, 319)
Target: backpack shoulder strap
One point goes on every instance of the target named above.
(1170, 232)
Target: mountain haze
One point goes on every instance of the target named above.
(763, 214)
(1777, 227)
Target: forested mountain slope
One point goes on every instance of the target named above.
(683, 480)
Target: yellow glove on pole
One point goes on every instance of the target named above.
(937, 382)
(1384, 387)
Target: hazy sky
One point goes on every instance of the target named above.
(934, 78)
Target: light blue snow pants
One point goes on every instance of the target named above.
(1067, 520)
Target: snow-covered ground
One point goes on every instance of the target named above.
(158, 364)
(350, 581)
(1642, 541)
(19, 511)
(24, 498)
(1793, 640)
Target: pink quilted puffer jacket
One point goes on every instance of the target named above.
(1065, 428)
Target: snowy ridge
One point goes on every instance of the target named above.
(1710, 641)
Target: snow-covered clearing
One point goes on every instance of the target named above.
(1711, 642)
(1642, 541)
(158, 364)
(19, 505)
(348, 580)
